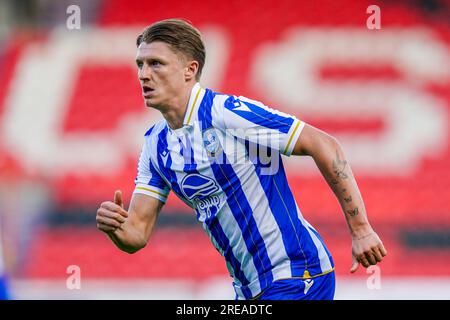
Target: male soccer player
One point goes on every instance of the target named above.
(208, 150)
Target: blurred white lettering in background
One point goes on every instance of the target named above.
(286, 71)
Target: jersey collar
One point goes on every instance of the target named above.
(195, 100)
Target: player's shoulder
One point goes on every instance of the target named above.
(247, 101)
(155, 129)
(231, 101)
(221, 100)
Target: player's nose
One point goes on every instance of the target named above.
(144, 73)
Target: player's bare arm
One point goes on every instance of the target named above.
(129, 230)
(367, 248)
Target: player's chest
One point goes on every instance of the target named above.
(197, 157)
(183, 153)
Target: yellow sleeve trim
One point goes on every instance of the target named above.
(150, 190)
(290, 138)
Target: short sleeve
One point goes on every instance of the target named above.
(148, 180)
(252, 120)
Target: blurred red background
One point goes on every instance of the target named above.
(72, 121)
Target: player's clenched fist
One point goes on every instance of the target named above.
(111, 215)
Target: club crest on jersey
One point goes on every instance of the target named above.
(201, 190)
(211, 142)
(196, 185)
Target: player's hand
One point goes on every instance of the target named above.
(111, 215)
(367, 249)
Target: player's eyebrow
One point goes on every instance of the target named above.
(149, 59)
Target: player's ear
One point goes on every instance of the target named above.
(191, 70)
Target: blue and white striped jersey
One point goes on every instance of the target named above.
(225, 162)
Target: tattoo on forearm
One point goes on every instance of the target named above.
(339, 167)
(353, 212)
(349, 199)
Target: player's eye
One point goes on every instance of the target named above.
(139, 64)
(155, 63)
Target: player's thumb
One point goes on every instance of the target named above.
(355, 265)
(118, 198)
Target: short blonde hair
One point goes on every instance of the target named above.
(181, 35)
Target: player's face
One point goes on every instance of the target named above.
(161, 73)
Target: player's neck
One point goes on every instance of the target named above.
(175, 113)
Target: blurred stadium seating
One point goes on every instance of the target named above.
(72, 122)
